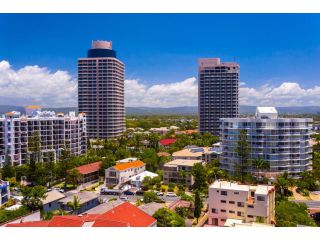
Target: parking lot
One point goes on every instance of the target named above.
(134, 198)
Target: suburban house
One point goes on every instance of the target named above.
(4, 192)
(138, 179)
(123, 171)
(87, 199)
(51, 202)
(89, 172)
(206, 154)
(231, 203)
(123, 215)
(167, 142)
(179, 171)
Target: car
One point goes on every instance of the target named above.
(171, 194)
(124, 198)
(128, 192)
(61, 190)
(139, 193)
(160, 194)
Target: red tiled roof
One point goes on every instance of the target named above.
(124, 215)
(89, 168)
(29, 224)
(129, 214)
(167, 141)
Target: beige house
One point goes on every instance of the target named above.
(206, 154)
(179, 171)
(231, 203)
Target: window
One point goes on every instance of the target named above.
(214, 210)
(261, 198)
(240, 214)
(252, 194)
(222, 220)
(250, 216)
(250, 206)
(240, 204)
(231, 211)
(224, 193)
(49, 204)
(236, 193)
(223, 201)
(223, 210)
(231, 202)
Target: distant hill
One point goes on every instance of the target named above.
(188, 110)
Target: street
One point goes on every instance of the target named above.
(309, 203)
(134, 198)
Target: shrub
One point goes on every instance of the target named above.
(7, 215)
(149, 197)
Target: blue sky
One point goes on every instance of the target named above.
(164, 48)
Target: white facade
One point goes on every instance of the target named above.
(236, 202)
(123, 171)
(283, 142)
(4, 192)
(56, 132)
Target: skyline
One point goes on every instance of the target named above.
(278, 64)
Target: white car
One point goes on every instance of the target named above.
(124, 198)
(160, 194)
(171, 194)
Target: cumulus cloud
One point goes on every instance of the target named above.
(36, 85)
(183, 93)
(39, 85)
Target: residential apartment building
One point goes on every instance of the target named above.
(206, 154)
(101, 91)
(231, 203)
(4, 192)
(179, 171)
(55, 131)
(218, 93)
(283, 142)
(123, 171)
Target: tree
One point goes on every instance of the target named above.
(283, 183)
(200, 178)
(168, 218)
(181, 211)
(260, 165)
(73, 177)
(74, 204)
(243, 154)
(149, 197)
(197, 205)
(33, 196)
(291, 214)
(7, 170)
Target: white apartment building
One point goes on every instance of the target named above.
(123, 171)
(283, 142)
(232, 203)
(205, 154)
(56, 132)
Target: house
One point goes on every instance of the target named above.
(51, 202)
(179, 171)
(167, 142)
(231, 203)
(206, 154)
(123, 171)
(123, 215)
(89, 172)
(138, 179)
(160, 130)
(4, 192)
(87, 199)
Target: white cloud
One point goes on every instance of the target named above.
(184, 93)
(36, 85)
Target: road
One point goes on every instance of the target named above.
(134, 198)
(309, 203)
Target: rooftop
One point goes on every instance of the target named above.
(89, 168)
(193, 152)
(52, 196)
(84, 197)
(127, 165)
(167, 141)
(182, 162)
(259, 189)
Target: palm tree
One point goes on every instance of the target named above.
(74, 204)
(260, 165)
(282, 184)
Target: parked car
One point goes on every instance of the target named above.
(128, 192)
(61, 190)
(160, 194)
(171, 194)
(124, 198)
(139, 193)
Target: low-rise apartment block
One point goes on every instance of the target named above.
(205, 154)
(55, 131)
(230, 202)
(123, 171)
(179, 171)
